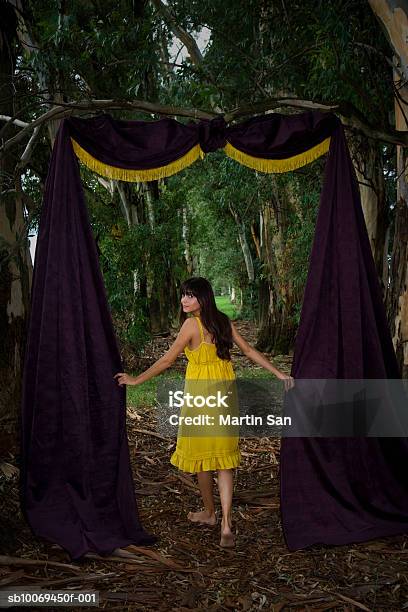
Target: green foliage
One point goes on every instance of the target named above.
(118, 259)
(211, 231)
(94, 49)
(326, 50)
(125, 253)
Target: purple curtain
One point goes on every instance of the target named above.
(144, 145)
(76, 480)
(342, 490)
(132, 144)
(281, 137)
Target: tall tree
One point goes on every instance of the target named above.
(15, 260)
(394, 17)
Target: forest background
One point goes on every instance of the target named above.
(249, 233)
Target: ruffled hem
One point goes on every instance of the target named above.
(206, 464)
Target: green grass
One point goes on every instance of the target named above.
(146, 393)
(253, 372)
(224, 304)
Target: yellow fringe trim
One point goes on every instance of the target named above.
(139, 176)
(278, 165)
(153, 174)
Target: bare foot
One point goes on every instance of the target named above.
(227, 540)
(202, 518)
(227, 537)
(120, 552)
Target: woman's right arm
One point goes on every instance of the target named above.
(184, 336)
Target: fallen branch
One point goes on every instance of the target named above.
(125, 556)
(5, 560)
(148, 432)
(158, 557)
(352, 601)
(11, 579)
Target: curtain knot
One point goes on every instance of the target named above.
(212, 134)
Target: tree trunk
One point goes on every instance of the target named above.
(162, 292)
(394, 18)
(367, 160)
(186, 240)
(15, 260)
(276, 299)
(246, 251)
(397, 296)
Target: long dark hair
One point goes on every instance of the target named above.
(216, 322)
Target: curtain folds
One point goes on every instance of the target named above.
(76, 481)
(342, 490)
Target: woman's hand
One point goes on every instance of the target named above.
(124, 379)
(289, 381)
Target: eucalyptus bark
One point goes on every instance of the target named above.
(368, 163)
(394, 18)
(15, 260)
(393, 15)
(397, 296)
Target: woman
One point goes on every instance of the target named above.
(206, 337)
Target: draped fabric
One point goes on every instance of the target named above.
(342, 490)
(143, 151)
(76, 480)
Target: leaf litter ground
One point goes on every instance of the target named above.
(187, 570)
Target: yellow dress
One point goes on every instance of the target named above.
(210, 447)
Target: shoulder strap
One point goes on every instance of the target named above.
(200, 328)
